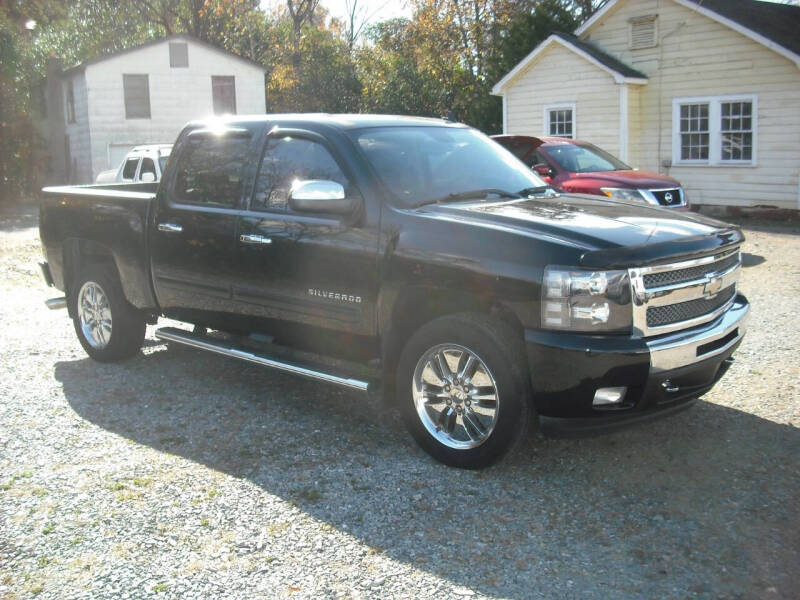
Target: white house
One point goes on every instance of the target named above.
(706, 91)
(100, 109)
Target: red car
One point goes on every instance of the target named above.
(580, 167)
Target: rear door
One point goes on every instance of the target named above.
(299, 267)
(194, 245)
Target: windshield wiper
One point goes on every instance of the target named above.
(541, 190)
(470, 195)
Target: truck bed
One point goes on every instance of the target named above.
(107, 217)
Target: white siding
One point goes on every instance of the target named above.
(177, 95)
(559, 76)
(80, 171)
(700, 57)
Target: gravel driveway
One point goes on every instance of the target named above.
(181, 474)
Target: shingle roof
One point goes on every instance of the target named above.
(595, 52)
(779, 23)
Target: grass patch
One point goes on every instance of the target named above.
(160, 587)
(15, 477)
(48, 529)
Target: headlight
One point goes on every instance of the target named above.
(589, 301)
(624, 194)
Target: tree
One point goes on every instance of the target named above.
(300, 12)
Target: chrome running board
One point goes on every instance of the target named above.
(56, 303)
(229, 348)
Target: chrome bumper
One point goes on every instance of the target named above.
(685, 348)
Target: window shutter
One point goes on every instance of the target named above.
(137, 96)
(644, 33)
(178, 55)
(223, 92)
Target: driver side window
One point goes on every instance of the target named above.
(290, 159)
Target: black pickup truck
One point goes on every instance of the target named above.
(412, 253)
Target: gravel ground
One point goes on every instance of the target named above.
(181, 474)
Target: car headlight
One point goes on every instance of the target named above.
(624, 194)
(587, 301)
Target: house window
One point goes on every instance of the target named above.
(559, 120)
(223, 94)
(137, 96)
(70, 102)
(736, 130)
(178, 55)
(643, 32)
(694, 131)
(715, 131)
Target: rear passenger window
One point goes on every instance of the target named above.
(129, 170)
(148, 166)
(210, 169)
(286, 160)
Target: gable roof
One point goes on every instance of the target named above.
(621, 72)
(771, 24)
(178, 36)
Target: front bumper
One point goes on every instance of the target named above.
(661, 374)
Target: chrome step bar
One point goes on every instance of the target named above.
(56, 303)
(226, 348)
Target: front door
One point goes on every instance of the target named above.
(194, 244)
(309, 269)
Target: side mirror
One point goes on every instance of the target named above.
(319, 195)
(147, 177)
(543, 170)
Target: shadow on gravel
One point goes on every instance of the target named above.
(702, 504)
(16, 217)
(752, 260)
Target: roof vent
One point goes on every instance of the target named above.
(644, 32)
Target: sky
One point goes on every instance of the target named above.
(375, 10)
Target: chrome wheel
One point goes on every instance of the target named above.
(455, 396)
(94, 313)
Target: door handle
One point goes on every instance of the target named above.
(170, 227)
(250, 238)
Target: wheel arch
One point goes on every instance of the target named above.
(77, 254)
(408, 308)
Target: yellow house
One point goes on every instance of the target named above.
(707, 91)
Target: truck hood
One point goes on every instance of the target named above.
(630, 179)
(611, 233)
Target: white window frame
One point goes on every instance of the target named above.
(548, 108)
(714, 130)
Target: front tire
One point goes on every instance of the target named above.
(462, 389)
(108, 327)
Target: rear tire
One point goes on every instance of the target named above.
(108, 327)
(463, 391)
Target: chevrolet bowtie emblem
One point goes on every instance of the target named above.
(712, 287)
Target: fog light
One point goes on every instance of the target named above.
(609, 395)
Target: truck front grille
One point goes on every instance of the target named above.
(682, 275)
(691, 309)
(681, 295)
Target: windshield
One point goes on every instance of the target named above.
(421, 164)
(583, 159)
